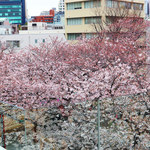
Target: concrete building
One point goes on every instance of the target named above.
(34, 36)
(61, 6)
(41, 28)
(23, 42)
(47, 18)
(81, 14)
(59, 18)
(52, 17)
(14, 10)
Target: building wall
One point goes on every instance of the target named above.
(25, 41)
(76, 19)
(46, 18)
(14, 10)
(61, 6)
(59, 18)
(58, 31)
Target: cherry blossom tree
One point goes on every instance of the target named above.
(107, 66)
(114, 65)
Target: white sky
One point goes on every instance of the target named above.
(34, 7)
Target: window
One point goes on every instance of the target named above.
(13, 18)
(92, 20)
(128, 5)
(125, 5)
(15, 21)
(13, 44)
(92, 4)
(112, 4)
(34, 25)
(109, 3)
(90, 35)
(122, 4)
(36, 41)
(10, 6)
(74, 21)
(138, 6)
(72, 6)
(73, 36)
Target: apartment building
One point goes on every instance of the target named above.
(81, 14)
(46, 18)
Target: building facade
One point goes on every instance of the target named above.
(51, 17)
(23, 42)
(14, 10)
(46, 18)
(37, 33)
(81, 14)
(61, 5)
(59, 18)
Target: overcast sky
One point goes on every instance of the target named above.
(34, 7)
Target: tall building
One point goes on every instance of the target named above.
(14, 10)
(81, 14)
(61, 6)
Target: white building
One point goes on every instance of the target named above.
(36, 34)
(42, 28)
(61, 6)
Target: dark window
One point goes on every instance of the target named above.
(34, 24)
